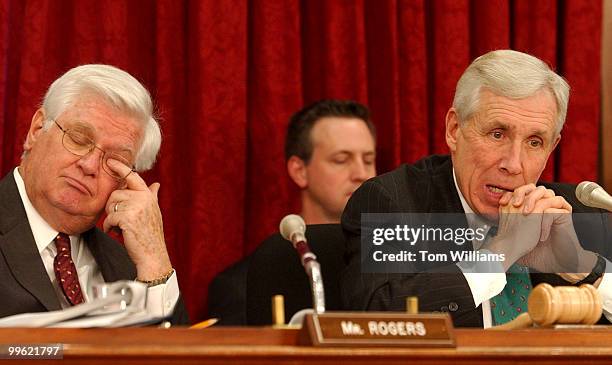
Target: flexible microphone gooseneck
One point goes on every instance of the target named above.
(293, 229)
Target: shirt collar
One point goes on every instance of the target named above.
(43, 233)
(466, 207)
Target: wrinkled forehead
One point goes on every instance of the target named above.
(100, 119)
(538, 111)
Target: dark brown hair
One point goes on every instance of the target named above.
(298, 142)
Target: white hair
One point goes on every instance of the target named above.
(510, 74)
(120, 90)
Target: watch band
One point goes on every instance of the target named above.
(596, 273)
(158, 281)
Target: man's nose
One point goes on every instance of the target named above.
(360, 171)
(90, 163)
(511, 161)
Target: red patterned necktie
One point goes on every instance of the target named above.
(65, 271)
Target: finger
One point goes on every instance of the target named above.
(533, 197)
(505, 199)
(557, 202)
(561, 203)
(548, 194)
(118, 196)
(132, 179)
(567, 206)
(550, 215)
(520, 192)
(117, 206)
(112, 207)
(556, 211)
(155, 188)
(112, 220)
(547, 222)
(118, 167)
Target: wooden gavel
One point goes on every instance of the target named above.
(562, 304)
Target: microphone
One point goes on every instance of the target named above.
(293, 229)
(593, 195)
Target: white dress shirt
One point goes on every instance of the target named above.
(161, 299)
(486, 285)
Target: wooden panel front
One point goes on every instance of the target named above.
(267, 345)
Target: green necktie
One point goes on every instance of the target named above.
(512, 301)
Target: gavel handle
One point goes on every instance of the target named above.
(522, 321)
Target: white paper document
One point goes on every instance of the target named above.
(118, 304)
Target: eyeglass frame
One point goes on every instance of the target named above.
(91, 149)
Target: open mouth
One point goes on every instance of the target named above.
(497, 189)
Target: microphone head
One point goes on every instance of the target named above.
(290, 225)
(584, 190)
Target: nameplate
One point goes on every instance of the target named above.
(378, 329)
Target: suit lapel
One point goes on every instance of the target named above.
(443, 203)
(19, 249)
(448, 197)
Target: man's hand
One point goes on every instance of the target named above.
(136, 212)
(518, 234)
(564, 247)
(558, 249)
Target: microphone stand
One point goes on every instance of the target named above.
(313, 270)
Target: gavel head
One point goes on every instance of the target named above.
(564, 304)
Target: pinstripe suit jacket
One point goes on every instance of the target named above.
(428, 186)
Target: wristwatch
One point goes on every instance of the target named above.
(596, 273)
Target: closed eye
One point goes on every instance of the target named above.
(340, 161)
(79, 138)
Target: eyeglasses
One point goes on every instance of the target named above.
(80, 144)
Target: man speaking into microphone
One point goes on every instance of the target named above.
(506, 119)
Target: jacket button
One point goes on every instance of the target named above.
(444, 308)
(452, 306)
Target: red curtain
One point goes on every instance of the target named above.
(226, 76)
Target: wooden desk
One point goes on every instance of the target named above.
(266, 345)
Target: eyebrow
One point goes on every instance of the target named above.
(81, 126)
(539, 133)
(86, 127)
(347, 152)
(499, 124)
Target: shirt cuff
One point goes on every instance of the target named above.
(485, 279)
(605, 289)
(162, 298)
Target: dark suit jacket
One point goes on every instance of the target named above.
(275, 268)
(242, 293)
(24, 282)
(227, 294)
(427, 186)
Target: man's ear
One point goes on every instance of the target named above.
(38, 119)
(452, 128)
(297, 171)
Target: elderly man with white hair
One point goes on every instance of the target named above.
(85, 146)
(505, 121)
